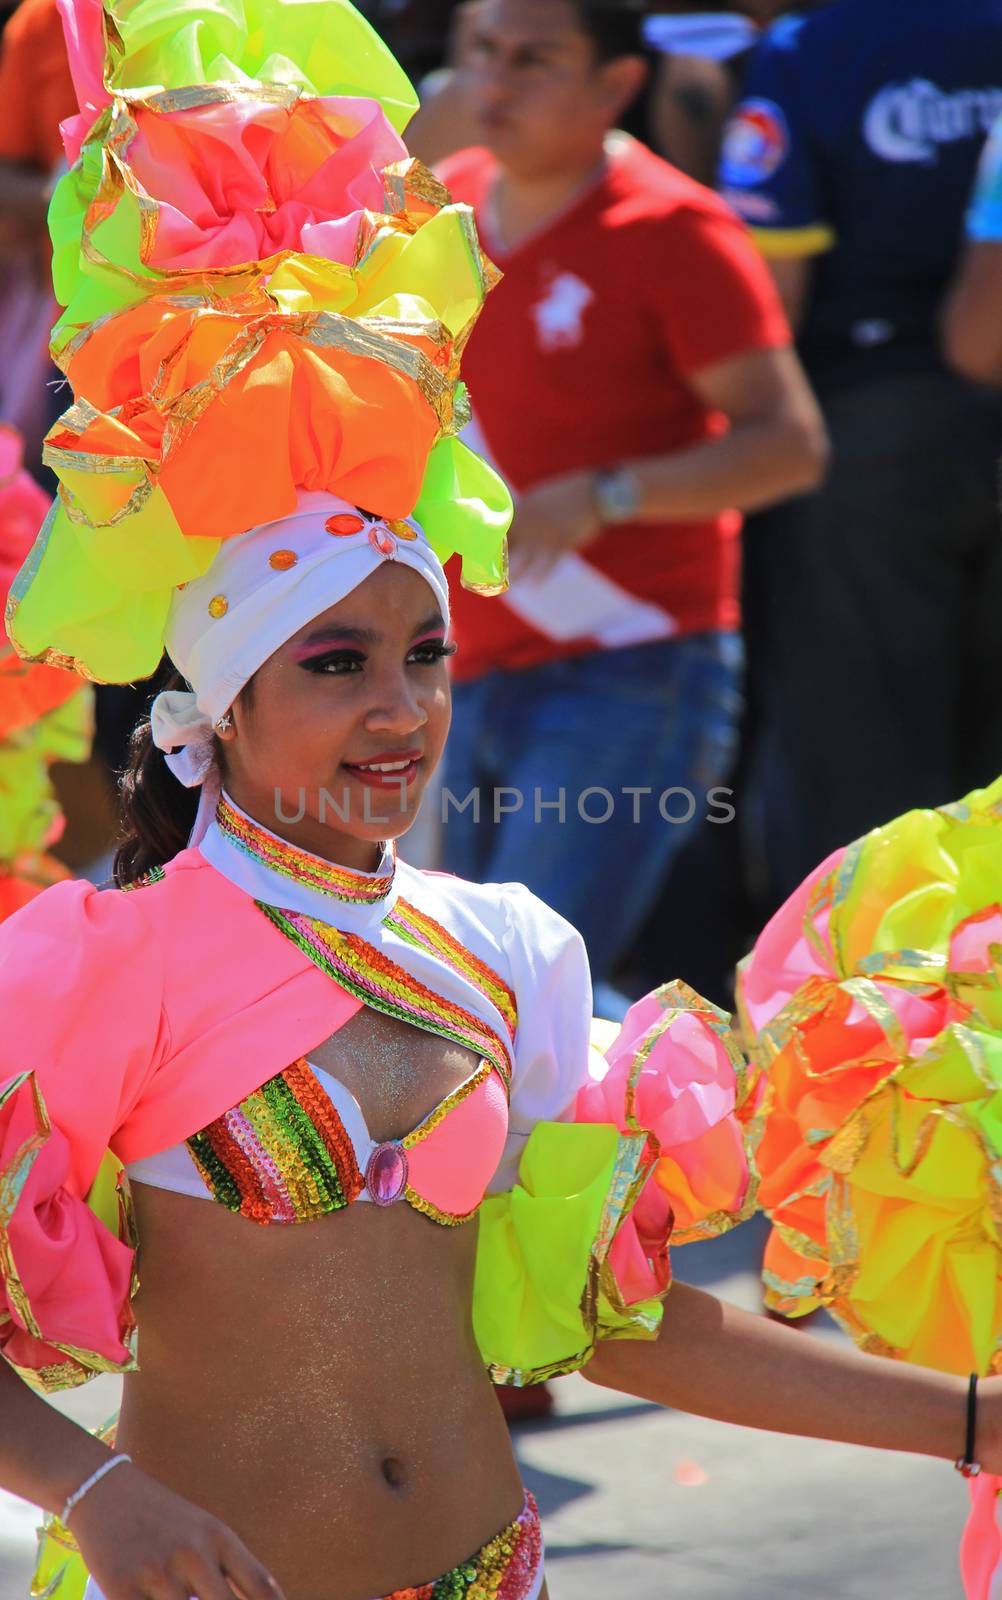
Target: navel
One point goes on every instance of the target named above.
(393, 1471)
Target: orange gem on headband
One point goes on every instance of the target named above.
(344, 525)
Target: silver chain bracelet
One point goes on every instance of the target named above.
(85, 1488)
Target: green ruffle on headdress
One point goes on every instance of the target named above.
(263, 294)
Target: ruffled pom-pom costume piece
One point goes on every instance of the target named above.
(578, 1250)
(68, 1261)
(45, 715)
(872, 1006)
(240, 258)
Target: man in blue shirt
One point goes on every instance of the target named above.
(873, 605)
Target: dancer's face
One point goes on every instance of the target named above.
(363, 686)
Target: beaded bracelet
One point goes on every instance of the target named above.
(85, 1488)
(966, 1463)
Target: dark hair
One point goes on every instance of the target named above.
(616, 27)
(157, 812)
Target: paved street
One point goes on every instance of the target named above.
(644, 1504)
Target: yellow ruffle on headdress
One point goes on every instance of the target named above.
(262, 293)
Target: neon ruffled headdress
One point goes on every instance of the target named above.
(263, 296)
(873, 1007)
(45, 716)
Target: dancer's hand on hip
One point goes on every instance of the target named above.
(140, 1541)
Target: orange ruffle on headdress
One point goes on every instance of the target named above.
(253, 271)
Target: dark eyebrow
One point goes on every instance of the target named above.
(558, 41)
(430, 623)
(336, 631)
(333, 630)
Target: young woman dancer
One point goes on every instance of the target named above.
(283, 1023)
(340, 1114)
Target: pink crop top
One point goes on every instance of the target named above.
(298, 1148)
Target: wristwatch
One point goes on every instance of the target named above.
(617, 495)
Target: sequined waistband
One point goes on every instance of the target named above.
(508, 1567)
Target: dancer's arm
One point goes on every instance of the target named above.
(136, 1537)
(718, 1361)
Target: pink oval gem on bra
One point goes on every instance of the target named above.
(386, 1173)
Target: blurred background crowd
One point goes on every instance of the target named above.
(744, 374)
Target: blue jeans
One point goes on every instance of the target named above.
(581, 778)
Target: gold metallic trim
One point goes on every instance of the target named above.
(81, 1364)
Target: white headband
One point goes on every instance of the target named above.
(261, 589)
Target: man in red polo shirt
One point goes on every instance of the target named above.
(632, 378)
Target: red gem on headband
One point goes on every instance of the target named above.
(382, 541)
(344, 524)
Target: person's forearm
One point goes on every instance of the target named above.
(752, 466)
(971, 331)
(44, 1456)
(717, 1361)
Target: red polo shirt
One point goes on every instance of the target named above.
(582, 360)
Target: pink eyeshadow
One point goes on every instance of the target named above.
(323, 647)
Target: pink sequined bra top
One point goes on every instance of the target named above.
(299, 1148)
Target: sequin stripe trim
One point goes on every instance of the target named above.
(155, 875)
(373, 978)
(295, 1164)
(282, 1155)
(448, 1219)
(323, 1121)
(419, 929)
(284, 858)
(230, 1174)
(442, 1110)
(502, 1570)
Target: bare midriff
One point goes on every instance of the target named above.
(317, 1386)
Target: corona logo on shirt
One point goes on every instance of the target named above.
(559, 316)
(756, 143)
(909, 121)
